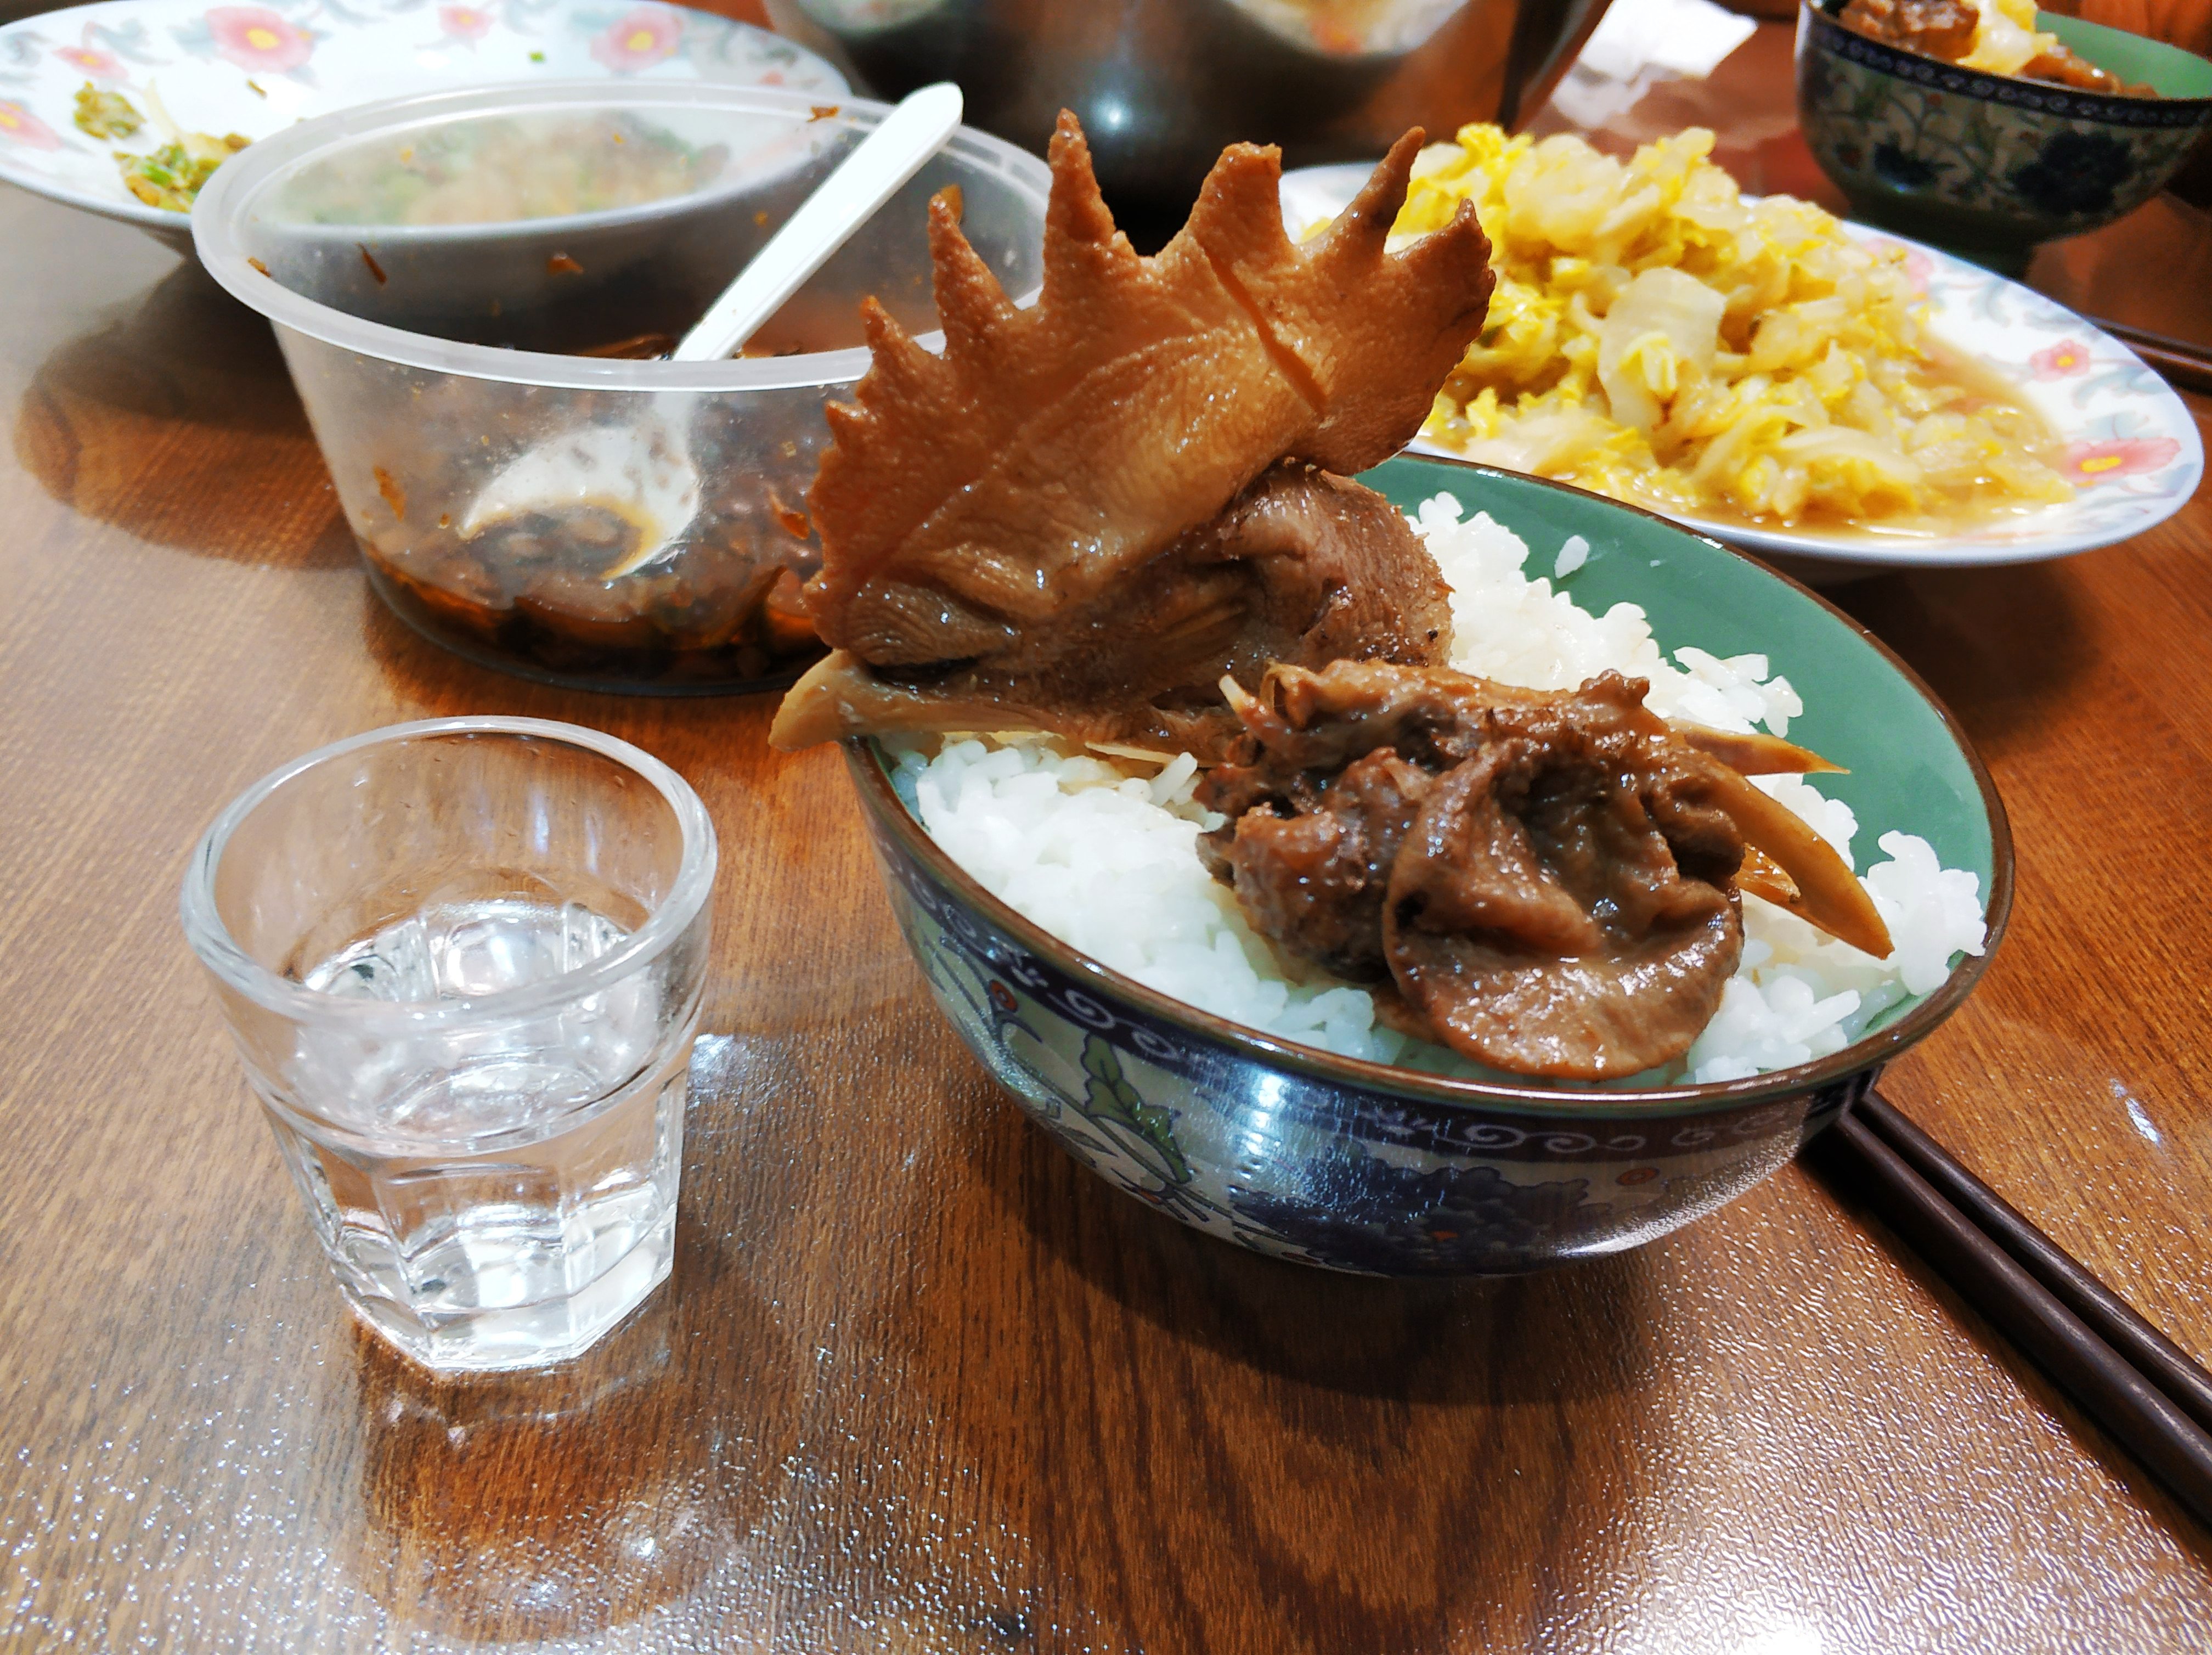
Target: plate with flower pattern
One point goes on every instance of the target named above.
(2122, 436)
(251, 69)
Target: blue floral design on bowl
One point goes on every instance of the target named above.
(2075, 172)
(1358, 1166)
(1986, 165)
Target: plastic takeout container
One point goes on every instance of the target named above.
(431, 263)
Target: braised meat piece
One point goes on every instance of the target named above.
(1314, 879)
(1331, 571)
(1549, 880)
(1075, 519)
(1946, 29)
(2063, 66)
(1319, 721)
(1940, 28)
(1303, 567)
(1562, 906)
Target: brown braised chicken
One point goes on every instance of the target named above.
(1941, 28)
(1946, 30)
(1120, 516)
(1083, 514)
(1548, 879)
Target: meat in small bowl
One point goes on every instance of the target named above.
(2048, 126)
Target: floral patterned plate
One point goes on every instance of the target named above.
(2127, 442)
(252, 68)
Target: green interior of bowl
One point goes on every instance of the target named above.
(2134, 58)
(1907, 771)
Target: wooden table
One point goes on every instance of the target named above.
(919, 1382)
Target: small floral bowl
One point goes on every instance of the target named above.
(1365, 1167)
(1986, 165)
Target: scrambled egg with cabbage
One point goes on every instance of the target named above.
(1657, 338)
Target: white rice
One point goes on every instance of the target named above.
(1109, 865)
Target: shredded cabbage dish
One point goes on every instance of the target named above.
(1656, 338)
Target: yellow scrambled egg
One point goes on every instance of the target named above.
(1658, 338)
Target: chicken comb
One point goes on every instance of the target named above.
(1050, 450)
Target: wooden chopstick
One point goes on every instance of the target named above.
(2126, 1399)
(2162, 1361)
(2185, 366)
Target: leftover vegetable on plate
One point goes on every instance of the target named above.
(168, 176)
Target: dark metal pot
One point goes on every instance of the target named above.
(1162, 85)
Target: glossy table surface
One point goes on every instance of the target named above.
(919, 1382)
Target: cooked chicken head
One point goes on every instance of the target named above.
(1075, 518)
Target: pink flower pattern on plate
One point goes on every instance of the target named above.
(101, 65)
(2098, 462)
(464, 22)
(20, 124)
(639, 38)
(2067, 357)
(254, 37)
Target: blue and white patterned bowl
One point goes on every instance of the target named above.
(1986, 165)
(1360, 1166)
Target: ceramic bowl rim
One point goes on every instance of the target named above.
(1812, 9)
(872, 781)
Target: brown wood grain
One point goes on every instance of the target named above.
(919, 1383)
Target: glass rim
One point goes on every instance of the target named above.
(220, 952)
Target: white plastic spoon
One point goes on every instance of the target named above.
(643, 472)
(848, 198)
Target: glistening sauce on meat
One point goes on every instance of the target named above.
(1547, 881)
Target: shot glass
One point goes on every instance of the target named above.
(463, 961)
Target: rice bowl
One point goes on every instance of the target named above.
(1268, 1123)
